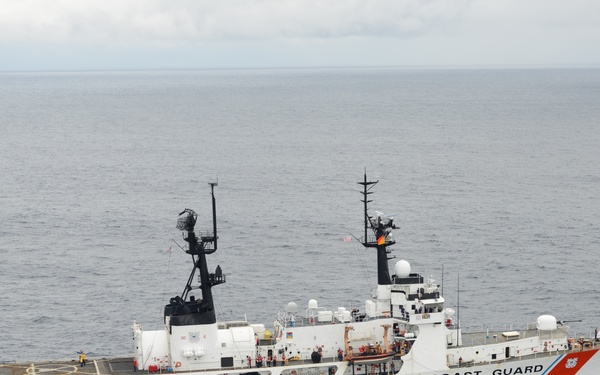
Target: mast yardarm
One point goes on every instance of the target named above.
(381, 227)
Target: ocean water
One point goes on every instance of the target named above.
(494, 175)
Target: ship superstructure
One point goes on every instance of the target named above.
(405, 327)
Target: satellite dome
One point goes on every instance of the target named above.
(291, 308)
(546, 323)
(402, 268)
(312, 304)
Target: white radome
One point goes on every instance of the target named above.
(546, 323)
(402, 268)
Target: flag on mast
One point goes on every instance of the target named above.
(381, 240)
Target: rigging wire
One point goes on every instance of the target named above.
(360, 251)
(164, 292)
(145, 360)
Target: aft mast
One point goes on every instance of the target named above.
(381, 227)
(184, 311)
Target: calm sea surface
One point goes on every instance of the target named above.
(494, 175)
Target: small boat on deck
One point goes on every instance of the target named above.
(369, 353)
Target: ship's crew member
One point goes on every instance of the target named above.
(269, 360)
(459, 361)
(274, 360)
(340, 354)
(249, 360)
(82, 358)
(259, 361)
(315, 357)
(283, 359)
(134, 365)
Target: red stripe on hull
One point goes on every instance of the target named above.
(571, 363)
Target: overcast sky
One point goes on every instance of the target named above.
(180, 34)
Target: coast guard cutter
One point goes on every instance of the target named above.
(405, 328)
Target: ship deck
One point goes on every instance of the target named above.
(103, 366)
(100, 366)
(123, 365)
(474, 338)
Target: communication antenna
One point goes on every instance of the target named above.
(458, 301)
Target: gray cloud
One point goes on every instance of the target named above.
(152, 20)
(233, 33)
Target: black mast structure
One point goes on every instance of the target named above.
(181, 310)
(381, 227)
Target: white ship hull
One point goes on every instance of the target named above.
(574, 363)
